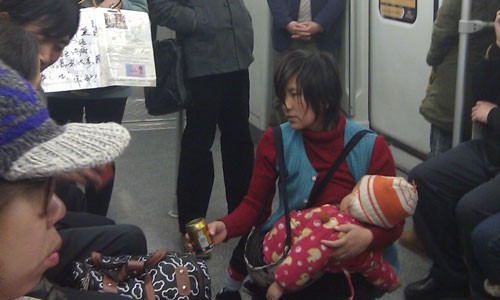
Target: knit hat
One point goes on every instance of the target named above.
(32, 145)
(381, 200)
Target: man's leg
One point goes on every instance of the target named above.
(196, 167)
(441, 182)
(237, 147)
(476, 206)
(99, 111)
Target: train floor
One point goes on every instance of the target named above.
(144, 194)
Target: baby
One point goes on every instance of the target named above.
(378, 200)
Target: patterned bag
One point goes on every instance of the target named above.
(160, 275)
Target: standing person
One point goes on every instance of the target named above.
(217, 42)
(457, 191)
(308, 85)
(97, 105)
(303, 24)
(438, 105)
(53, 23)
(29, 209)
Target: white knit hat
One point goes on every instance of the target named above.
(32, 145)
(381, 200)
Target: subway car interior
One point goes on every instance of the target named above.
(384, 75)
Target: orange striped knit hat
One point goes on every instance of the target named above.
(381, 200)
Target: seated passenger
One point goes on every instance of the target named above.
(308, 85)
(34, 150)
(52, 23)
(457, 190)
(378, 200)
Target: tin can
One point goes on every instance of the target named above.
(199, 236)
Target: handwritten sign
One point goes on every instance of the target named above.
(109, 48)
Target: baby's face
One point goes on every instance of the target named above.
(345, 204)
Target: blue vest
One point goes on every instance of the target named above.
(301, 175)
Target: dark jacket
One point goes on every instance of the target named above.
(486, 86)
(216, 35)
(438, 106)
(327, 13)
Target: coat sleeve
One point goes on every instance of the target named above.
(486, 84)
(330, 14)
(262, 187)
(172, 14)
(280, 13)
(444, 31)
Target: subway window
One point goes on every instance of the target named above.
(399, 10)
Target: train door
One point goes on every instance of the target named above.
(400, 34)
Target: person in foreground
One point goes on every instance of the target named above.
(33, 149)
(457, 191)
(379, 200)
(308, 85)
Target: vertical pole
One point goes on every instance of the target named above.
(180, 127)
(463, 45)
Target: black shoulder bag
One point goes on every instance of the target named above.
(170, 94)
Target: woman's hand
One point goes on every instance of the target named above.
(85, 176)
(218, 231)
(481, 110)
(274, 291)
(354, 242)
(111, 4)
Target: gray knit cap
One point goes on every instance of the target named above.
(32, 145)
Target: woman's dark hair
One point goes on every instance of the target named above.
(57, 18)
(317, 78)
(19, 49)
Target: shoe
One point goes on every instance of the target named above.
(492, 289)
(228, 295)
(429, 289)
(410, 241)
(254, 290)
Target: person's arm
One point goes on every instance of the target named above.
(361, 238)
(262, 185)
(444, 31)
(280, 13)
(486, 85)
(171, 14)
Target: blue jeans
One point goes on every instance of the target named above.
(486, 243)
(440, 141)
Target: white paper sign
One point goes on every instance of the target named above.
(110, 48)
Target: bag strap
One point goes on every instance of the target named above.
(280, 157)
(347, 149)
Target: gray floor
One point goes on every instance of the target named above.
(145, 191)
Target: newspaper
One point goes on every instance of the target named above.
(110, 48)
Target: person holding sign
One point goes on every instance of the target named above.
(97, 105)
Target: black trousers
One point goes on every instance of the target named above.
(82, 234)
(219, 100)
(66, 110)
(457, 190)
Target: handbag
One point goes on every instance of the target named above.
(170, 94)
(261, 273)
(159, 275)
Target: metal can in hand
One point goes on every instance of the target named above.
(199, 236)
